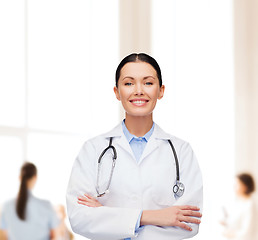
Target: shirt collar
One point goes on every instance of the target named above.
(117, 131)
(130, 136)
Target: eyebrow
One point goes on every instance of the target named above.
(133, 78)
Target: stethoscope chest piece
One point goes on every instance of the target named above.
(178, 189)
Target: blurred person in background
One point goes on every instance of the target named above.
(239, 217)
(2, 237)
(62, 232)
(27, 217)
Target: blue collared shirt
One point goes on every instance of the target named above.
(137, 144)
(40, 220)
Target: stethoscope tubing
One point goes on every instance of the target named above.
(176, 160)
(110, 146)
(178, 188)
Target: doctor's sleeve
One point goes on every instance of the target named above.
(101, 222)
(190, 176)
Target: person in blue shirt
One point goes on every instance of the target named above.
(27, 217)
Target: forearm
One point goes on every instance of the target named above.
(175, 216)
(103, 222)
(152, 217)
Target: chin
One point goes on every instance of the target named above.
(139, 114)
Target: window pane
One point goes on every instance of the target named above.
(58, 63)
(10, 164)
(104, 60)
(71, 63)
(12, 60)
(53, 156)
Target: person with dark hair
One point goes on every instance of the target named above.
(27, 217)
(245, 185)
(239, 218)
(136, 181)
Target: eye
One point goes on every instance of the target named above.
(128, 84)
(148, 83)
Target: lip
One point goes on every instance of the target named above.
(139, 102)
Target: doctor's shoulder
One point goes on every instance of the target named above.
(99, 142)
(180, 144)
(183, 148)
(185, 151)
(92, 147)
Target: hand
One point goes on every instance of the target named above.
(89, 201)
(172, 216)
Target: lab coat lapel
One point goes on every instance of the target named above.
(152, 144)
(150, 147)
(122, 142)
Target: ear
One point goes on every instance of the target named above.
(117, 93)
(161, 92)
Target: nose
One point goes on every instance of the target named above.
(138, 89)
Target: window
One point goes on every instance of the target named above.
(56, 66)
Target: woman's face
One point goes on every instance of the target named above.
(138, 89)
(240, 188)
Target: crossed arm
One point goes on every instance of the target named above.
(172, 216)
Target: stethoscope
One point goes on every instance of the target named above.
(178, 188)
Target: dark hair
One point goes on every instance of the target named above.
(141, 57)
(248, 181)
(28, 171)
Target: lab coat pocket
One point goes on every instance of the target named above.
(162, 199)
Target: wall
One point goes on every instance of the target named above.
(246, 85)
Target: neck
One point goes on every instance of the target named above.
(31, 182)
(244, 196)
(138, 126)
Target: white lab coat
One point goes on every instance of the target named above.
(134, 187)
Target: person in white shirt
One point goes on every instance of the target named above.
(239, 218)
(133, 191)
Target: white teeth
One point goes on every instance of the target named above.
(138, 102)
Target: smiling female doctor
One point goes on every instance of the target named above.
(134, 188)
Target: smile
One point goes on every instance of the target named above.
(139, 102)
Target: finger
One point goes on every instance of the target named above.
(190, 220)
(89, 196)
(83, 203)
(191, 213)
(84, 199)
(184, 226)
(87, 203)
(189, 207)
